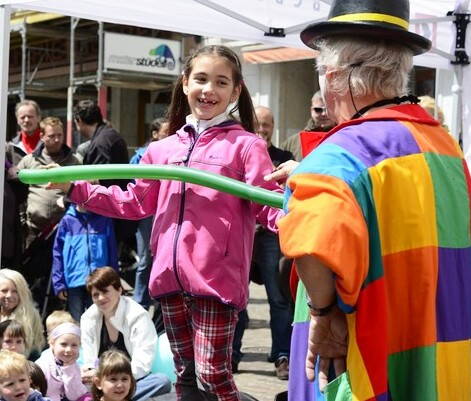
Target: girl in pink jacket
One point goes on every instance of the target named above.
(201, 238)
(60, 367)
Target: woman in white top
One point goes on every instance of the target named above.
(115, 321)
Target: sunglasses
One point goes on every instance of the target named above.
(319, 109)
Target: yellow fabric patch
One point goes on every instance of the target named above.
(405, 203)
(359, 379)
(454, 370)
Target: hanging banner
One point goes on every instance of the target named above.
(141, 54)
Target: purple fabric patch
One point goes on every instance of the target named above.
(374, 141)
(299, 388)
(453, 294)
(384, 397)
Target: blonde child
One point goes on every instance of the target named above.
(56, 318)
(15, 380)
(16, 303)
(59, 364)
(114, 380)
(202, 239)
(12, 336)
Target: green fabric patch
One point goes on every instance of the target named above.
(339, 389)
(301, 310)
(362, 188)
(412, 374)
(452, 221)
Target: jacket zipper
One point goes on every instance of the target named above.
(186, 161)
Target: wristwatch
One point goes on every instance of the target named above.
(321, 311)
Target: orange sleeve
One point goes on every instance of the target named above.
(324, 220)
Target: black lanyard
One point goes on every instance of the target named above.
(384, 102)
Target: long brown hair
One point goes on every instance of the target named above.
(179, 107)
(112, 362)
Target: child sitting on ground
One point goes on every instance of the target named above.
(59, 364)
(114, 380)
(15, 380)
(12, 336)
(38, 380)
(56, 318)
(16, 302)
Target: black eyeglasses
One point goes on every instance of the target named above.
(319, 109)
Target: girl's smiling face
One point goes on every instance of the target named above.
(115, 387)
(9, 298)
(210, 87)
(66, 348)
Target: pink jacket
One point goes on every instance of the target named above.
(201, 238)
(63, 381)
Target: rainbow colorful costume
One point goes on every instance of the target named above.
(385, 203)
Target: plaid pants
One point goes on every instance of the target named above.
(200, 332)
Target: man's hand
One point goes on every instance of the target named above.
(63, 186)
(281, 173)
(328, 341)
(62, 295)
(87, 374)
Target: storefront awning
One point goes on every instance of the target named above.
(277, 55)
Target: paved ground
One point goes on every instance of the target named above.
(257, 376)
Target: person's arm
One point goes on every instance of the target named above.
(58, 279)
(143, 339)
(73, 386)
(328, 327)
(257, 164)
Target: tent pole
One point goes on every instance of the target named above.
(70, 90)
(5, 12)
(23, 60)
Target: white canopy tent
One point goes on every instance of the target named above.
(277, 22)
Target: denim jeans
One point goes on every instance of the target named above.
(267, 254)
(151, 385)
(78, 301)
(241, 325)
(141, 291)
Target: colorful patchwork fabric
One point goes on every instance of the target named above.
(385, 203)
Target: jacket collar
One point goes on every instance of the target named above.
(188, 130)
(66, 151)
(402, 112)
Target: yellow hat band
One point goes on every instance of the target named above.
(372, 17)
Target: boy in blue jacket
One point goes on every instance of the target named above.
(84, 242)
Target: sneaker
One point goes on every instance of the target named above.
(282, 368)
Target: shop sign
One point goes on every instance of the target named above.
(141, 54)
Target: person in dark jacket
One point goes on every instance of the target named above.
(106, 146)
(84, 242)
(28, 116)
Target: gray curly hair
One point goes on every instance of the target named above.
(377, 68)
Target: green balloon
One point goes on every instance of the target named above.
(157, 172)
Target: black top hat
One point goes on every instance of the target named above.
(375, 19)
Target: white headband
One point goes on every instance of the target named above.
(65, 328)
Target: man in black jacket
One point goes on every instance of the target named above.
(106, 146)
